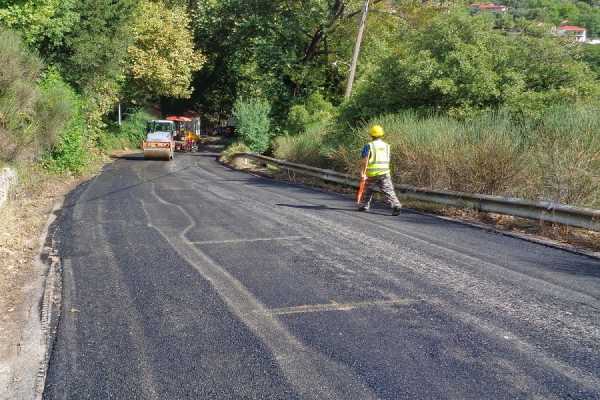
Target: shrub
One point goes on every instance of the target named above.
(63, 126)
(253, 123)
(40, 114)
(19, 94)
(130, 134)
(315, 111)
(237, 147)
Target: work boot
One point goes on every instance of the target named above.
(396, 210)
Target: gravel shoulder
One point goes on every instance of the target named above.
(24, 221)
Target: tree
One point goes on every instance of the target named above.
(281, 50)
(42, 23)
(162, 58)
(461, 64)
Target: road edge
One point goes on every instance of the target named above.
(43, 296)
(50, 298)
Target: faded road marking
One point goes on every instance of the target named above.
(272, 239)
(312, 374)
(333, 306)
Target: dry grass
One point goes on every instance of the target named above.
(556, 158)
(21, 222)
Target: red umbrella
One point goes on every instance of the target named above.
(177, 118)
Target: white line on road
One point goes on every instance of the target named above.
(313, 375)
(333, 306)
(271, 239)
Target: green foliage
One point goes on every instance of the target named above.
(461, 64)
(315, 111)
(236, 147)
(162, 57)
(283, 51)
(42, 23)
(556, 12)
(591, 55)
(308, 147)
(130, 134)
(38, 112)
(19, 96)
(64, 125)
(95, 47)
(134, 127)
(253, 125)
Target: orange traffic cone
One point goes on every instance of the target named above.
(361, 190)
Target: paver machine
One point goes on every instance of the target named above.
(186, 133)
(160, 141)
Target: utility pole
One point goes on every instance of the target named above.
(361, 29)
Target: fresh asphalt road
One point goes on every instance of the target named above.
(187, 280)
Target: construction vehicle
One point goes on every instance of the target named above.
(187, 133)
(160, 142)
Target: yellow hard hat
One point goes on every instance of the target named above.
(376, 131)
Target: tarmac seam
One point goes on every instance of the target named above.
(50, 301)
(233, 241)
(333, 306)
(523, 346)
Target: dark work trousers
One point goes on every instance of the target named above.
(385, 185)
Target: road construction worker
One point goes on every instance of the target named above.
(375, 168)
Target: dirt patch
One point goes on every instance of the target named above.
(22, 219)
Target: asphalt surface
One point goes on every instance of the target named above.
(187, 280)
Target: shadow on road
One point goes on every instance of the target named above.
(317, 207)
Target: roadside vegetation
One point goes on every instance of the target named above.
(475, 102)
(65, 65)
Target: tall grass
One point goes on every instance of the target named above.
(554, 158)
(307, 147)
(19, 95)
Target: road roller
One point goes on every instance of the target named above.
(160, 142)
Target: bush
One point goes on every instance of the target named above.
(237, 147)
(40, 115)
(64, 126)
(315, 111)
(252, 123)
(19, 94)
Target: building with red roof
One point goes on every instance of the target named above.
(579, 33)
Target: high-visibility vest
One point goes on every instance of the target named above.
(379, 158)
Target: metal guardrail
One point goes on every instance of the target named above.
(542, 211)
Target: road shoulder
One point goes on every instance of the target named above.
(30, 280)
